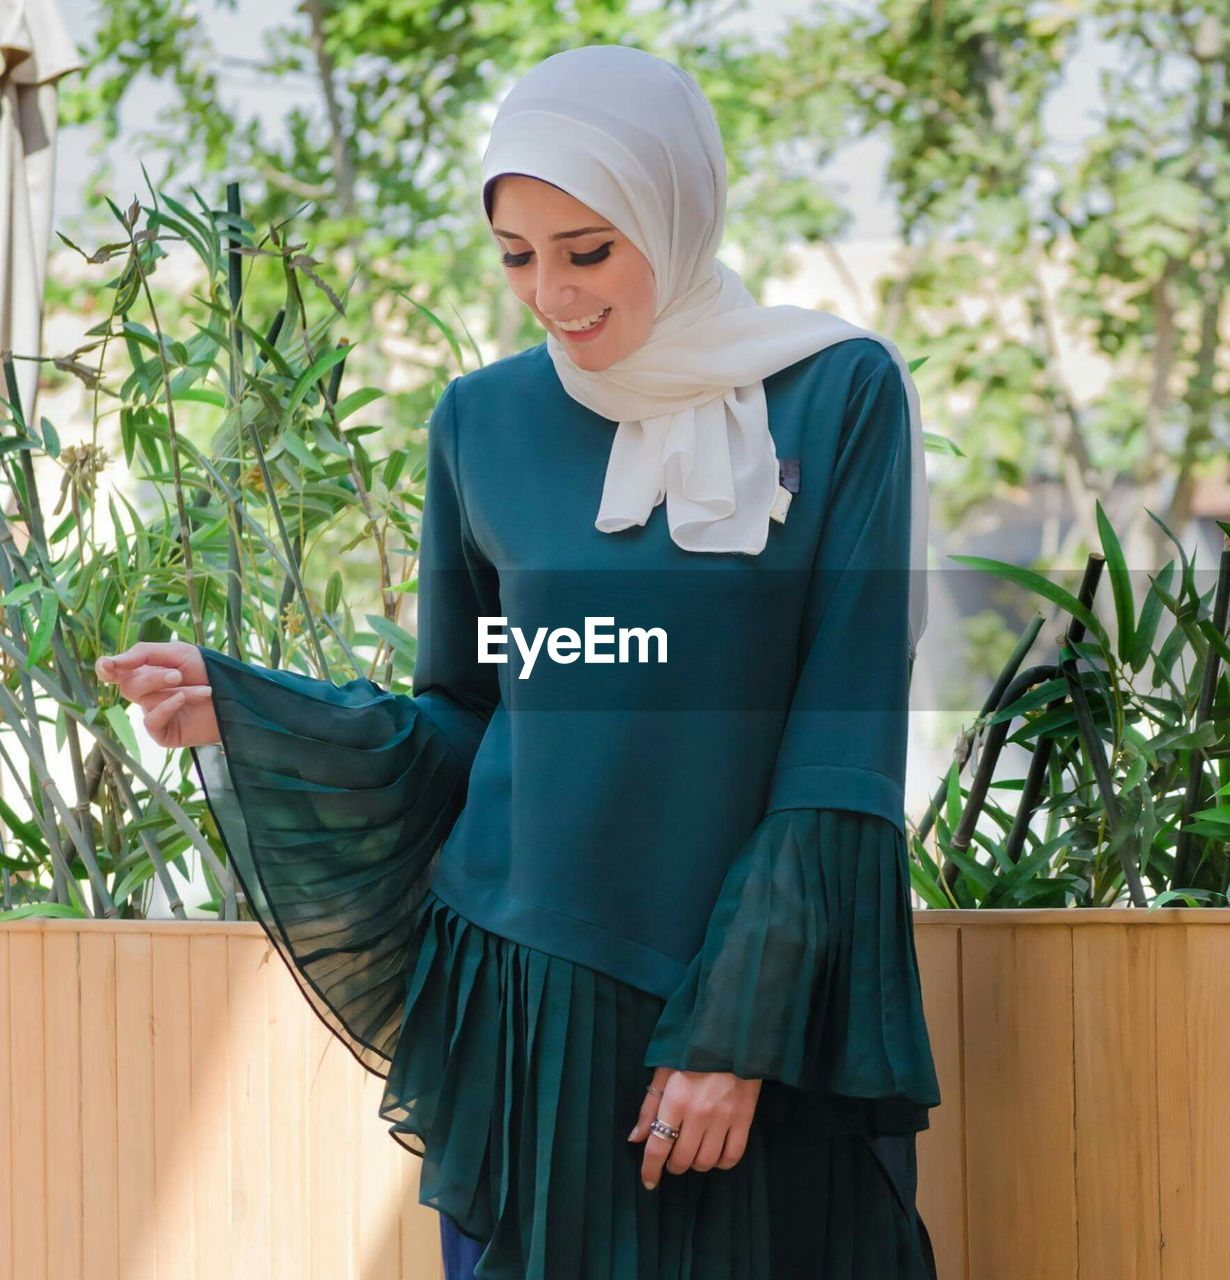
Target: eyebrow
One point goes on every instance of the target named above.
(559, 235)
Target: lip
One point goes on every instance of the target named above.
(588, 334)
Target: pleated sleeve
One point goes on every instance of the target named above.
(807, 977)
(333, 800)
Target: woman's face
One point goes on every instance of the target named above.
(563, 276)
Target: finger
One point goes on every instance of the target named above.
(136, 654)
(149, 679)
(157, 720)
(682, 1152)
(734, 1147)
(710, 1150)
(657, 1151)
(148, 701)
(649, 1105)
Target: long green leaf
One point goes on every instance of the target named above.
(40, 642)
(1036, 582)
(1120, 583)
(1150, 616)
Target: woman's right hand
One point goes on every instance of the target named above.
(168, 681)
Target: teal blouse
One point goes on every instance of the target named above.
(607, 801)
(498, 891)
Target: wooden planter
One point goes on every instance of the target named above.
(1084, 1128)
(174, 1110)
(172, 1106)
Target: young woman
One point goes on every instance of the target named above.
(655, 882)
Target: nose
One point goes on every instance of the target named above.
(553, 295)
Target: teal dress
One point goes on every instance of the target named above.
(411, 896)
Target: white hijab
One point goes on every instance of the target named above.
(633, 137)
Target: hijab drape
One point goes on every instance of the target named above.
(633, 137)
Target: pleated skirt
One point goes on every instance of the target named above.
(516, 1078)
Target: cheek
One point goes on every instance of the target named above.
(522, 291)
(641, 305)
(628, 294)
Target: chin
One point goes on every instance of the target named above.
(594, 361)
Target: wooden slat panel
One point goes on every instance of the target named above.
(247, 1031)
(7, 1102)
(1193, 1037)
(27, 1105)
(209, 1108)
(941, 1148)
(1116, 1102)
(1020, 1147)
(141, 1094)
(330, 1127)
(100, 1209)
(169, 1212)
(62, 1085)
(377, 1220)
(290, 1019)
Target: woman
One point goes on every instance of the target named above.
(555, 895)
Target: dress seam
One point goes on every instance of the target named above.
(564, 915)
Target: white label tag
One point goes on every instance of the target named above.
(781, 504)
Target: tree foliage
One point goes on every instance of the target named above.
(1017, 249)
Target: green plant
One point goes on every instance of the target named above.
(267, 483)
(1132, 784)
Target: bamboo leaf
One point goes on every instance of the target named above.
(926, 886)
(981, 877)
(294, 445)
(51, 439)
(308, 379)
(40, 641)
(333, 592)
(1039, 696)
(402, 642)
(117, 718)
(934, 443)
(1042, 586)
(953, 797)
(1150, 616)
(1214, 638)
(19, 593)
(1192, 897)
(44, 911)
(356, 400)
(1120, 583)
(449, 336)
(1188, 587)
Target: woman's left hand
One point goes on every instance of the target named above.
(713, 1112)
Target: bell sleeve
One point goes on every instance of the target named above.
(807, 977)
(333, 800)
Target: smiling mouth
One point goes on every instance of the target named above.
(580, 333)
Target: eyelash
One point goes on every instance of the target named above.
(590, 259)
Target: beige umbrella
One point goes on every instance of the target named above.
(35, 51)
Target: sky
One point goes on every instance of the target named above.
(855, 176)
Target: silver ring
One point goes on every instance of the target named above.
(650, 1089)
(664, 1130)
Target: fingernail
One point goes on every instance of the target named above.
(172, 677)
(649, 1186)
(632, 1135)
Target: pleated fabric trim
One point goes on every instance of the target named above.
(808, 978)
(332, 802)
